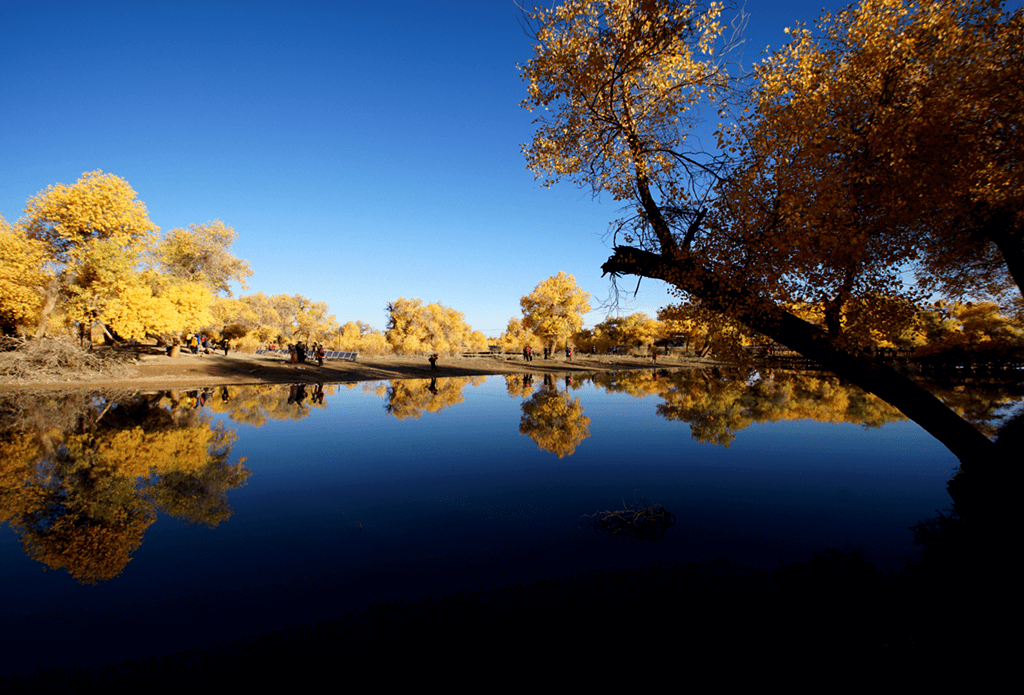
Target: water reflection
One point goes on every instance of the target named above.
(410, 398)
(371, 493)
(554, 420)
(719, 403)
(257, 404)
(83, 477)
(517, 386)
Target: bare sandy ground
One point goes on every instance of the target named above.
(161, 372)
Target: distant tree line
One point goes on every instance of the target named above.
(86, 259)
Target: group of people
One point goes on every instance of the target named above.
(299, 351)
(297, 394)
(528, 353)
(200, 344)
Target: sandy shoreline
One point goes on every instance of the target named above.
(159, 372)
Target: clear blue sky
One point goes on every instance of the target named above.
(362, 151)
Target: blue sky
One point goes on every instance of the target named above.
(362, 151)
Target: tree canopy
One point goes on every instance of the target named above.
(888, 136)
(67, 218)
(202, 253)
(81, 250)
(414, 328)
(555, 308)
(22, 277)
(83, 228)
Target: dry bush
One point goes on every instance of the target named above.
(59, 359)
(247, 344)
(637, 521)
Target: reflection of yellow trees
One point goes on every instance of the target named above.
(712, 407)
(638, 384)
(519, 386)
(720, 403)
(982, 406)
(92, 535)
(258, 404)
(18, 452)
(82, 495)
(554, 420)
(410, 398)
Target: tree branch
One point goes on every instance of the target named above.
(759, 314)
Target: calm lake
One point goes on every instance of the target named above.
(180, 520)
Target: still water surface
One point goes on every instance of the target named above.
(329, 501)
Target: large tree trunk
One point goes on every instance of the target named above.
(1010, 242)
(50, 302)
(108, 334)
(682, 270)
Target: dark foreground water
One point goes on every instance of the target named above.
(166, 522)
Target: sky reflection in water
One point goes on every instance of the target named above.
(351, 505)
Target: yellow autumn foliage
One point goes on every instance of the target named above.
(517, 336)
(356, 336)
(415, 329)
(555, 308)
(98, 206)
(80, 482)
(885, 138)
(410, 398)
(202, 253)
(554, 420)
(602, 63)
(23, 277)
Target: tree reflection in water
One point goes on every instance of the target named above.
(83, 477)
(718, 403)
(258, 404)
(554, 420)
(410, 398)
(519, 386)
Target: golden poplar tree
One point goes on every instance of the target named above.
(23, 278)
(81, 225)
(416, 329)
(555, 308)
(889, 134)
(202, 253)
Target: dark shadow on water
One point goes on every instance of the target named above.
(835, 610)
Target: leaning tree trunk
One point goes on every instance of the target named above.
(685, 272)
(979, 488)
(52, 292)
